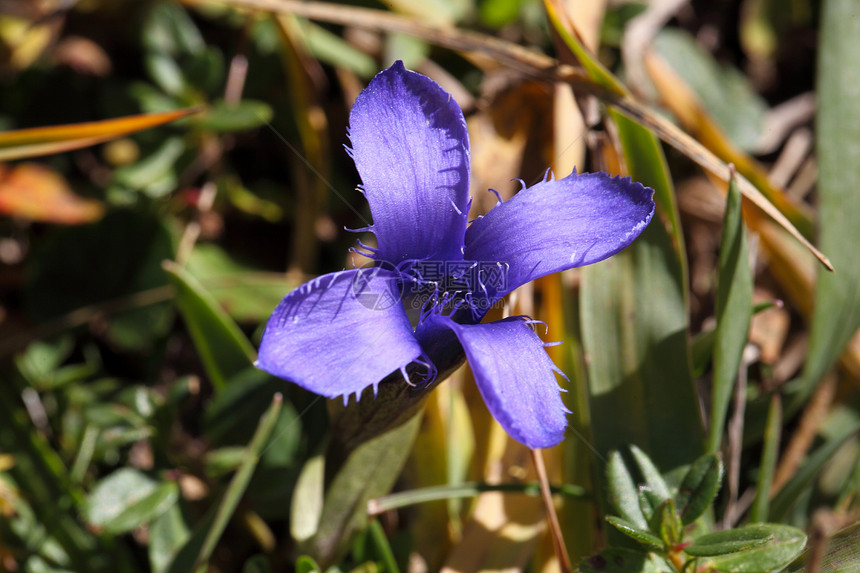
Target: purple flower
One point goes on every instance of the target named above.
(419, 308)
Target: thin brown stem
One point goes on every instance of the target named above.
(551, 515)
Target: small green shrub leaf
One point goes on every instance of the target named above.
(699, 487)
(641, 535)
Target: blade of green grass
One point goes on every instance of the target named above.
(837, 298)
(734, 312)
(761, 504)
(239, 483)
(383, 548)
(223, 348)
(468, 489)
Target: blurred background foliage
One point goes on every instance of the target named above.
(137, 267)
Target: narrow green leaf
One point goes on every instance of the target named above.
(622, 493)
(223, 348)
(723, 90)
(468, 489)
(145, 509)
(730, 541)
(167, 534)
(734, 311)
(699, 487)
(307, 505)
(629, 529)
(115, 494)
(652, 476)
(772, 555)
(671, 529)
(240, 482)
(761, 503)
(242, 116)
(649, 503)
(306, 564)
(152, 168)
(334, 50)
(837, 298)
(788, 495)
(168, 28)
(382, 547)
(165, 72)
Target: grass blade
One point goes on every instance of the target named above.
(734, 311)
(239, 483)
(223, 348)
(837, 299)
(761, 503)
(37, 141)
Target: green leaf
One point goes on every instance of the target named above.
(307, 504)
(837, 298)
(306, 564)
(786, 543)
(382, 547)
(652, 476)
(245, 292)
(468, 489)
(144, 510)
(165, 72)
(622, 493)
(734, 311)
(699, 487)
(650, 503)
(167, 534)
(671, 529)
(152, 169)
(643, 536)
(761, 503)
(334, 50)
(730, 541)
(723, 90)
(168, 28)
(223, 348)
(205, 70)
(117, 493)
(226, 117)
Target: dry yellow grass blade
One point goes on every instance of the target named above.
(36, 141)
(531, 63)
(679, 98)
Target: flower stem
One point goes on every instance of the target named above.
(552, 517)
